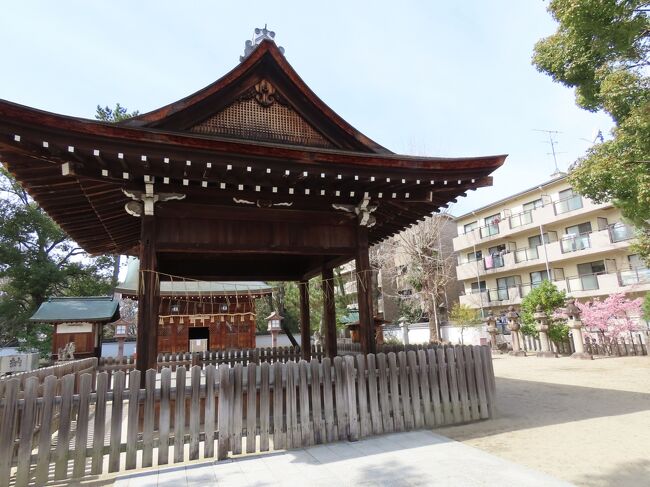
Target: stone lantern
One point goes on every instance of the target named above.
(492, 329)
(274, 327)
(514, 326)
(574, 322)
(120, 335)
(541, 320)
(404, 325)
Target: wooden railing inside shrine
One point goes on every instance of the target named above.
(255, 408)
(218, 357)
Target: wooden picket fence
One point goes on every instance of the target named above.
(618, 347)
(216, 357)
(607, 347)
(59, 370)
(253, 408)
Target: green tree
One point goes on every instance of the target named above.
(114, 115)
(601, 50)
(550, 298)
(285, 300)
(38, 260)
(464, 317)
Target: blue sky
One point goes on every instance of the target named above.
(425, 78)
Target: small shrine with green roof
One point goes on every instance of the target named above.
(78, 323)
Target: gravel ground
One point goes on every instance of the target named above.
(587, 422)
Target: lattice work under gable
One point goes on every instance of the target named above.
(247, 119)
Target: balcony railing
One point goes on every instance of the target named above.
(493, 262)
(500, 294)
(521, 219)
(573, 243)
(523, 255)
(569, 204)
(586, 282)
(618, 232)
(489, 230)
(462, 260)
(634, 276)
(497, 295)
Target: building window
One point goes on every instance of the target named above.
(558, 274)
(495, 257)
(474, 256)
(537, 277)
(533, 205)
(491, 225)
(579, 229)
(577, 238)
(504, 287)
(588, 275)
(470, 226)
(618, 232)
(635, 261)
(478, 285)
(536, 240)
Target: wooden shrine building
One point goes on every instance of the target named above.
(78, 320)
(250, 178)
(216, 315)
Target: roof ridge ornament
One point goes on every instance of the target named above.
(258, 37)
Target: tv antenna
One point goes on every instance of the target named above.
(553, 143)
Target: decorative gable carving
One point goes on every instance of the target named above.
(261, 113)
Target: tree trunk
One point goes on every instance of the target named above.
(116, 269)
(436, 321)
(433, 319)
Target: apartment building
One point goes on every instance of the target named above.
(507, 248)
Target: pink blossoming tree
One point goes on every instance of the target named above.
(612, 317)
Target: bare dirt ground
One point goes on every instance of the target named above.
(587, 422)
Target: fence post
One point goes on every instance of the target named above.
(26, 432)
(7, 430)
(224, 413)
(81, 438)
(45, 433)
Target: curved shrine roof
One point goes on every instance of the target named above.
(256, 138)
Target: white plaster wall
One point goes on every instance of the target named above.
(419, 333)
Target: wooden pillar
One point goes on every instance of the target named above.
(148, 298)
(55, 351)
(364, 293)
(329, 312)
(305, 335)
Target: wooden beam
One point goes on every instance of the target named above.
(329, 312)
(305, 335)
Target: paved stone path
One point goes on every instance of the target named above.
(401, 459)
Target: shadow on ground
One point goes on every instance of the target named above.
(523, 404)
(631, 474)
